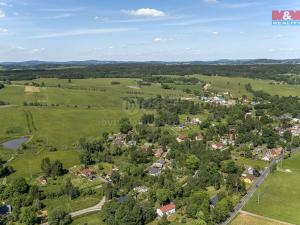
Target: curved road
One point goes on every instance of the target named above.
(92, 209)
(95, 208)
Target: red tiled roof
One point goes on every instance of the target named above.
(167, 208)
(250, 177)
(182, 136)
(88, 171)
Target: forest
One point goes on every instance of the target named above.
(288, 73)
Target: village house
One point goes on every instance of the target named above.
(248, 179)
(118, 139)
(131, 143)
(42, 180)
(158, 152)
(154, 171)
(166, 210)
(181, 138)
(275, 152)
(195, 121)
(156, 168)
(295, 130)
(141, 189)
(213, 201)
(199, 137)
(108, 175)
(87, 173)
(250, 170)
(296, 120)
(146, 147)
(272, 153)
(218, 146)
(5, 210)
(161, 162)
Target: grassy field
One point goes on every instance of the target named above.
(279, 195)
(244, 219)
(78, 109)
(236, 86)
(93, 219)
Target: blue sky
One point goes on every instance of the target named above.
(142, 30)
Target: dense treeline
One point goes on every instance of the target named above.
(280, 72)
(275, 104)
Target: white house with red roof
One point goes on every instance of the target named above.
(166, 210)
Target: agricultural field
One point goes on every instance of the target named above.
(278, 197)
(245, 219)
(236, 86)
(79, 108)
(55, 115)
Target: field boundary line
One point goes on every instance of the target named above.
(265, 218)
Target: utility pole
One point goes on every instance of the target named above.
(258, 197)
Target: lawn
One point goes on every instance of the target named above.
(279, 195)
(244, 219)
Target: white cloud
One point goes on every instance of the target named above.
(100, 19)
(215, 33)
(80, 32)
(37, 50)
(201, 21)
(241, 5)
(279, 36)
(2, 14)
(3, 31)
(147, 12)
(160, 40)
(60, 16)
(20, 48)
(210, 1)
(62, 10)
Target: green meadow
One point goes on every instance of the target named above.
(76, 109)
(236, 86)
(278, 197)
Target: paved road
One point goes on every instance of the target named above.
(92, 209)
(252, 189)
(95, 208)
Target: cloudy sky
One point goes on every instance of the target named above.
(142, 30)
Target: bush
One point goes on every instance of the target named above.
(59, 216)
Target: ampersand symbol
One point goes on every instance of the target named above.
(286, 15)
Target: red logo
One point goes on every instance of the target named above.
(286, 15)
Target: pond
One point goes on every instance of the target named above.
(15, 144)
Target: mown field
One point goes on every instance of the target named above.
(244, 219)
(279, 195)
(94, 219)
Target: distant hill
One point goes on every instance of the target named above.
(45, 64)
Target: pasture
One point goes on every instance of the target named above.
(278, 197)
